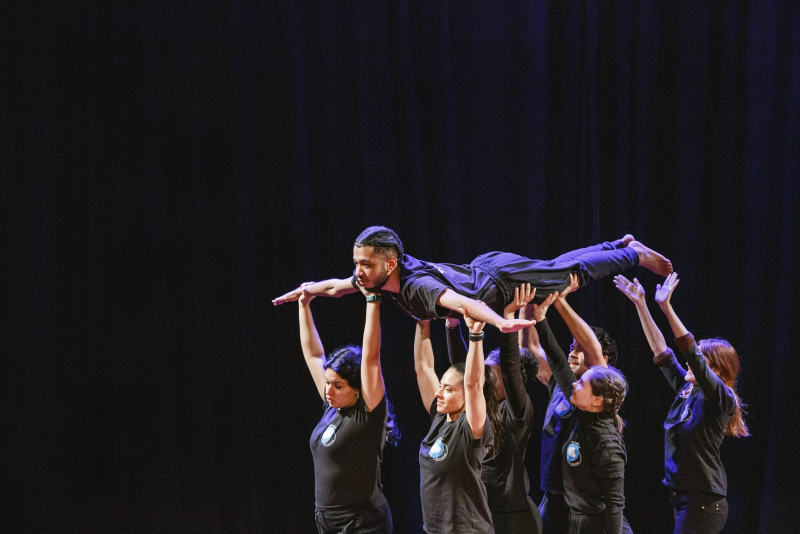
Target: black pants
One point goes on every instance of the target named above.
(363, 518)
(554, 512)
(698, 512)
(520, 522)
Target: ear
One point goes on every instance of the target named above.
(597, 402)
(605, 357)
(391, 264)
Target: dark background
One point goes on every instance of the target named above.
(170, 167)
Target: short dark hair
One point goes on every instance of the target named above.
(383, 240)
(607, 343)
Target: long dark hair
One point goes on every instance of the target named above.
(490, 393)
(529, 365)
(346, 361)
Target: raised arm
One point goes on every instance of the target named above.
(456, 346)
(706, 378)
(474, 377)
(334, 287)
(635, 293)
(313, 352)
(663, 298)
(510, 363)
(479, 312)
(372, 386)
(529, 338)
(582, 332)
(427, 380)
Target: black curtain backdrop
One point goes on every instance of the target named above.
(169, 167)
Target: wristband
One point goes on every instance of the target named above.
(374, 298)
(476, 337)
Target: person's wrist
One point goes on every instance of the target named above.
(476, 336)
(374, 298)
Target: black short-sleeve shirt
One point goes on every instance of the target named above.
(555, 432)
(347, 446)
(453, 496)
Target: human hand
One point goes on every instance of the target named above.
(366, 292)
(475, 327)
(539, 311)
(291, 296)
(452, 322)
(522, 296)
(573, 286)
(633, 290)
(664, 292)
(305, 298)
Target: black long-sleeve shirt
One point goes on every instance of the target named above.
(593, 455)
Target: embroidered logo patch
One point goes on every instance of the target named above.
(439, 450)
(574, 454)
(563, 409)
(329, 436)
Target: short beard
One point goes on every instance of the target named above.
(381, 282)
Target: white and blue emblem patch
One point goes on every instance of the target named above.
(563, 409)
(574, 454)
(439, 450)
(329, 436)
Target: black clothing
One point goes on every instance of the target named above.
(559, 410)
(698, 512)
(594, 469)
(504, 475)
(371, 517)
(593, 457)
(347, 446)
(492, 277)
(696, 423)
(520, 522)
(453, 496)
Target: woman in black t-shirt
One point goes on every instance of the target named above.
(705, 410)
(504, 474)
(347, 443)
(463, 406)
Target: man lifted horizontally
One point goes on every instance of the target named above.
(435, 290)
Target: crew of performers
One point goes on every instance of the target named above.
(472, 460)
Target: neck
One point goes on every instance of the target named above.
(393, 283)
(455, 415)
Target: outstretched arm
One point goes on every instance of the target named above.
(510, 364)
(479, 312)
(313, 352)
(427, 380)
(456, 346)
(582, 332)
(529, 337)
(635, 292)
(663, 298)
(372, 386)
(334, 287)
(474, 377)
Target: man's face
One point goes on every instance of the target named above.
(577, 359)
(370, 268)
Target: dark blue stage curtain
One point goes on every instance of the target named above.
(169, 167)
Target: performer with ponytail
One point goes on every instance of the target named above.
(587, 475)
(705, 410)
(466, 424)
(504, 474)
(347, 443)
(591, 346)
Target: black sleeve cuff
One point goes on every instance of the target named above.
(685, 343)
